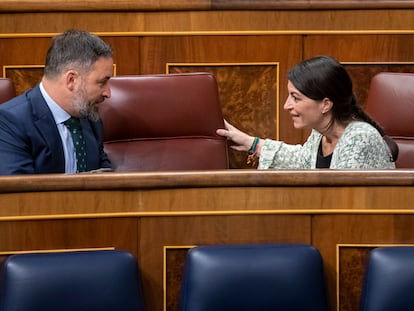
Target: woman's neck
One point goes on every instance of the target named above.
(331, 137)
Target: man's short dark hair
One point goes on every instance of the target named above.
(74, 49)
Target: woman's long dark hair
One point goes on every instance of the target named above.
(323, 77)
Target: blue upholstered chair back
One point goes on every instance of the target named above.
(253, 278)
(389, 280)
(69, 281)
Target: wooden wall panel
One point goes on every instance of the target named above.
(126, 54)
(362, 48)
(157, 51)
(28, 56)
(23, 51)
(29, 235)
(207, 21)
(359, 230)
(178, 231)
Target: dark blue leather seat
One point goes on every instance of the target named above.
(69, 281)
(259, 277)
(389, 280)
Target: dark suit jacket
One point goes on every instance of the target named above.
(30, 142)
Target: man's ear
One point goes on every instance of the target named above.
(71, 79)
(326, 106)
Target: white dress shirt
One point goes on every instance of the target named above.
(61, 116)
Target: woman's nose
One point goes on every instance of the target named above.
(288, 104)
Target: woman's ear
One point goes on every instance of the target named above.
(326, 106)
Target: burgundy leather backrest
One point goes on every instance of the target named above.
(164, 122)
(7, 90)
(391, 103)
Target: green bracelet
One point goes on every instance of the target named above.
(254, 145)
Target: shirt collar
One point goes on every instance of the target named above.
(59, 115)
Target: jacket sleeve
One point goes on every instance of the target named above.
(97, 128)
(277, 154)
(15, 156)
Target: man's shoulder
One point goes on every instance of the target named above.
(28, 104)
(19, 102)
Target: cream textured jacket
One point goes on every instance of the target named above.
(360, 147)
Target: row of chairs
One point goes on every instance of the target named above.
(250, 277)
(168, 121)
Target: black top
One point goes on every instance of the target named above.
(321, 161)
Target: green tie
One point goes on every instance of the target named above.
(74, 126)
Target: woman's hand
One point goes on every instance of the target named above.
(242, 141)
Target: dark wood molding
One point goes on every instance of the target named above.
(200, 5)
(205, 179)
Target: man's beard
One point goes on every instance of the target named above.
(85, 108)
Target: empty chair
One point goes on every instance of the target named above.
(68, 281)
(389, 280)
(391, 103)
(164, 122)
(253, 277)
(7, 90)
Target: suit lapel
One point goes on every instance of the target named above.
(45, 123)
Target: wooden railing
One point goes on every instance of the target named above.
(205, 179)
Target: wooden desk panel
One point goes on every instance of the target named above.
(76, 233)
(217, 229)
(343, 213)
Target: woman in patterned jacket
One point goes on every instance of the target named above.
(343, 136)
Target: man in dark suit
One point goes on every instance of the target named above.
(34, 135)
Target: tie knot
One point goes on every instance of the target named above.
(72, 123)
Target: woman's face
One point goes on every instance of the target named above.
(306, 113)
